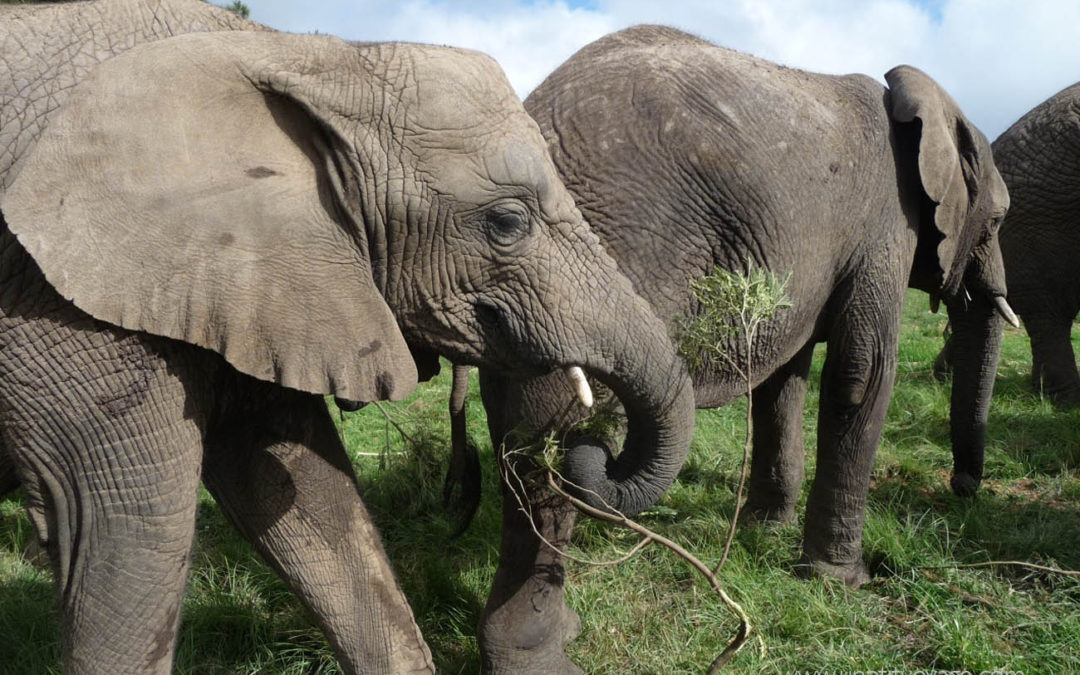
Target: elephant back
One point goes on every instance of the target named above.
(660, 138)
(1039, 157)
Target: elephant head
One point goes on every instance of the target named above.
(958, 258)
(312, 209)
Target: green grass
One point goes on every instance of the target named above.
(653, 614)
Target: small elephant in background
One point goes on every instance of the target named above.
(683, 157)
(1039, 158)
(201, 236)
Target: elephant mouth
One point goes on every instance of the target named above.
(1005, 311)
(506, 346)
(999, 303)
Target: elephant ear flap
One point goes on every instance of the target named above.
(947, 162)
(172, 194)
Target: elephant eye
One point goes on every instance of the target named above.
(995, 222)
(507, 225)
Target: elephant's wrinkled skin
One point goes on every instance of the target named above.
(684, 156)
(202, 235)
(1039, 158)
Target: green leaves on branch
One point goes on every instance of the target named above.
(731, 302)
(239, 8)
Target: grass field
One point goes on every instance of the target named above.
(653, 614)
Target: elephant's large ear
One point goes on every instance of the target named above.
(177, 193)
(949, 163)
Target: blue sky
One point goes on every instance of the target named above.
(998, 58)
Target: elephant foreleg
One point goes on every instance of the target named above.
(776, 469)
(526, 622)
(111, 464)
(856, 383)
(283, 478)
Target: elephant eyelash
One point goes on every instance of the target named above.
(506, 224)
(509, 223)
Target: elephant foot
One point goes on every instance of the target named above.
(964, 484)
(1069, 398)
(36, 554)
(759, 511)
(853, 574)
(514, 662)
(530, 637)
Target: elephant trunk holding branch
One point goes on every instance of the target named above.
(1039, 158)
(203, 235)
(685, 157)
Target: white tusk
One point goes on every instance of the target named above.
(580, 384)
(1005, 311)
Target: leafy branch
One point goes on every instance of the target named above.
(732, 304)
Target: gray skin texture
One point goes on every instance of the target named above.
(1039, 158)
(684, 156)
(201, 236)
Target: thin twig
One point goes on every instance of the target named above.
(1007, 563)
(408, 439)
(747, 447)
(744, 621)
(526, 509)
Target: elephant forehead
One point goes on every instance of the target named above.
(456, 89)
(471, 132)
(483, 161)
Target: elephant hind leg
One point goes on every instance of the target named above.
(777, 466)
(9, 482)
(1053, 363)
(284, 480)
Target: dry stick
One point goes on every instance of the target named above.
(416, 447)
(1006, 563)
(527, 510)
(744, 621)
(747, 445)
(408, 439)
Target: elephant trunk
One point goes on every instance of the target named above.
(973, 350)
(652, 384)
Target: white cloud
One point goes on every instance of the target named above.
(998, 58)
(529, 40)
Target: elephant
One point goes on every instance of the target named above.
(685, 157)
(1040, 249)
(206, 227)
